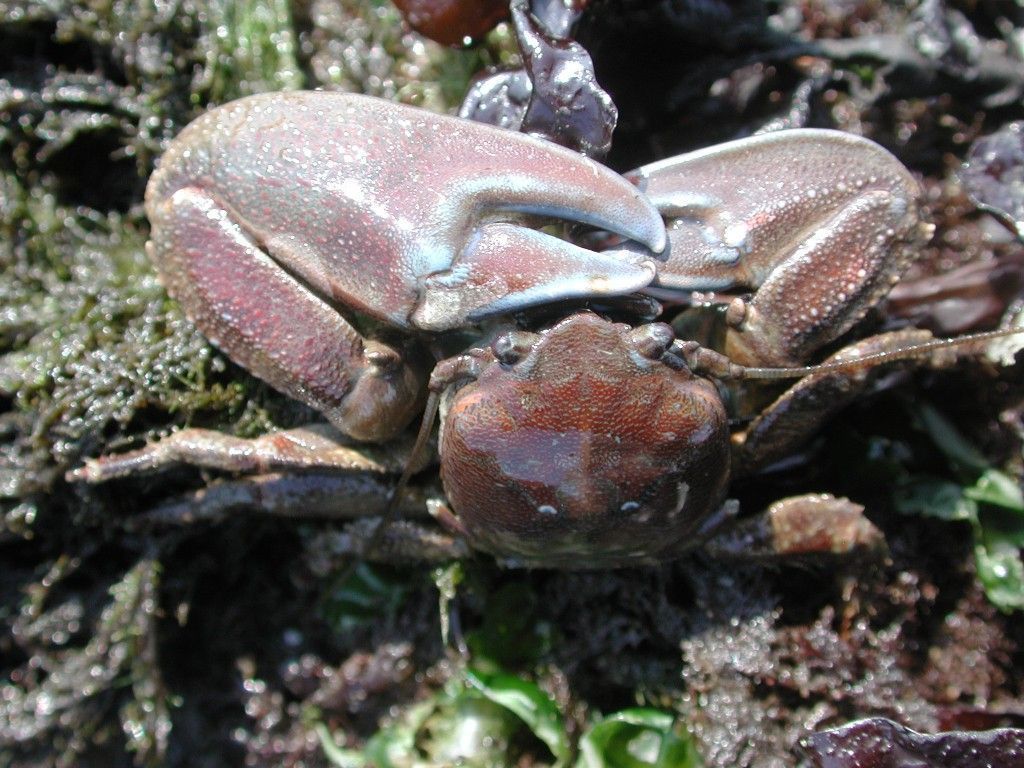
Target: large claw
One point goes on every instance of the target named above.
(275, 214)
(819, 223)
(409, 216)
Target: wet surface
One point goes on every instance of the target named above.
(239, 642)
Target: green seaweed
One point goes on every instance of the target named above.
(988, 499)
(95, 358)
(93, 355)
(66, 689)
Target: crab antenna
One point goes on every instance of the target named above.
(391, 510)
(422, 437)
(877, 358)
(708, 361)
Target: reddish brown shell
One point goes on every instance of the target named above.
(594, 449)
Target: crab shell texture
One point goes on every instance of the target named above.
(595, 448)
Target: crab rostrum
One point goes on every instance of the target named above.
(284, 222)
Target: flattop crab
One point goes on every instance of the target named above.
(282, 222)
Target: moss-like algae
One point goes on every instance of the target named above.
(102, 624)
(93, 355)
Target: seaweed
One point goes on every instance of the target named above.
(246, 640)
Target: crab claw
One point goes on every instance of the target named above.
(477, 249)
(419, 219)
(506, 268)
(819, 223)
(274, 215)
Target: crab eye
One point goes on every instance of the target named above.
(651, 340)
(510, 347)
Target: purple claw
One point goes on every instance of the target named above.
(369, 201)
(819, 223)
(272, 213)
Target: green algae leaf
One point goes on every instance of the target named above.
(470, 730)
(941, 499)
(510, 635)
(363, 596)
(990, 506)
(999, 489)
(456, 726)
(336, 754)
(948, 439)
(637, 738)
(1000, 569)
(993, 504)
(395, 746)
(529, 703)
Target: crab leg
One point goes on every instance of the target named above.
(820, 224)
(309, 495)
(803, 408)
(315, 446)
(812, 527)
(357, 499)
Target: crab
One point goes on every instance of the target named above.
(326, 242)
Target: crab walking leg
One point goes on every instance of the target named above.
(402, 541)
(820, 224)
(313, 447)
(803, 408)
(359, 498)
(813, 526)
(309, 495)
(506, 267)
(269, 323)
